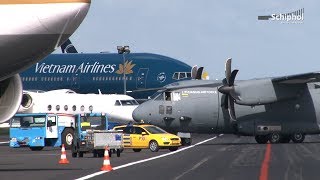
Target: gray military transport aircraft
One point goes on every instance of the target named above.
(276, 109)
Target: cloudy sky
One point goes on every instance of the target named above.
(207, 32)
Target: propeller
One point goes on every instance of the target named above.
(196, 73)
(228, 89)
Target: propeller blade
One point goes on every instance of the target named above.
(194, 71)
(228, 69)
(232, 112)
(233, 77)
(199, 73)
(226, 101)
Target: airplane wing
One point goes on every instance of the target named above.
(298, 79)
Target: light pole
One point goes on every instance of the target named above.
(124, 50)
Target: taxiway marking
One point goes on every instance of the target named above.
(149, 159)
(6, 142)
(265, 164)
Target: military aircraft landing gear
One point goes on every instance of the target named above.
(275, 138)
(262, 139)
(298, 137)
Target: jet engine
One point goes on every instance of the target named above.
(26, 102)
(10, 97)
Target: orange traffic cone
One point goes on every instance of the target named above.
(106, 161)
(63, 158)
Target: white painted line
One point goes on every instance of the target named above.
(6, 142)
(145, 160)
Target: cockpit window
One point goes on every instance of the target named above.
(182, 75)
(129, 102)
(168, 96)
(117, 103)
(175, 75)
(159, 97)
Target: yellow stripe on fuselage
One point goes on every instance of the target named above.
(41, 1)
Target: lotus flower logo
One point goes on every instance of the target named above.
(127, 69)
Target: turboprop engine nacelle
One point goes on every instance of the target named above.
(261, 91)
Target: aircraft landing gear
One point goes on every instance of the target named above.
(261, 139)
(274, 138)
(298, 137)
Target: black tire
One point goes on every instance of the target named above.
(153, 146)
(118, 152)
(297, 137)
(173, 148)
(110, 153)
(67, 137)
(95, 153)
(74, 151)
(36, 148)
(275, 138)
(186, 141)
(136, 150)
(261, 139)
(100, 153)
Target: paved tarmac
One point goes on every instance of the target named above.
(224, 157)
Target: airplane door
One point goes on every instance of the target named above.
(52, 127)
(142, 78)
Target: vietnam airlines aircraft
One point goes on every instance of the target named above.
(117, 107)
(89, 73)
(29, 31)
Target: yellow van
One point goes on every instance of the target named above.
(147, 136)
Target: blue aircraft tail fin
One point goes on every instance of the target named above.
(67, 47)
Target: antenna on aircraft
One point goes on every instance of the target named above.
(99, 91)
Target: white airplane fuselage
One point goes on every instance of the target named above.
(69, 102)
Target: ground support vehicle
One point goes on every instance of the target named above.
(37, 130)
(93, 139)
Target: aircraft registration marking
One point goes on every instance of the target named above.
(186, 93)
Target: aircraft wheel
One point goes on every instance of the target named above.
(298, 137)
(274, 138)
(80, 154)
(261, 139)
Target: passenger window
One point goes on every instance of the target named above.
(49, 107)
(128, 130)
(137, 130)
(82, 108)
(58, 107)
(66, 107)
(74, 107)
(189, 75)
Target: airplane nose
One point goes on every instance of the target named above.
(137, 114)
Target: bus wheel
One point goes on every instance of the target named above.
(67, 138)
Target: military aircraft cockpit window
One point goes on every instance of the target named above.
(159, 97)
(117, 103)
(168, 96)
